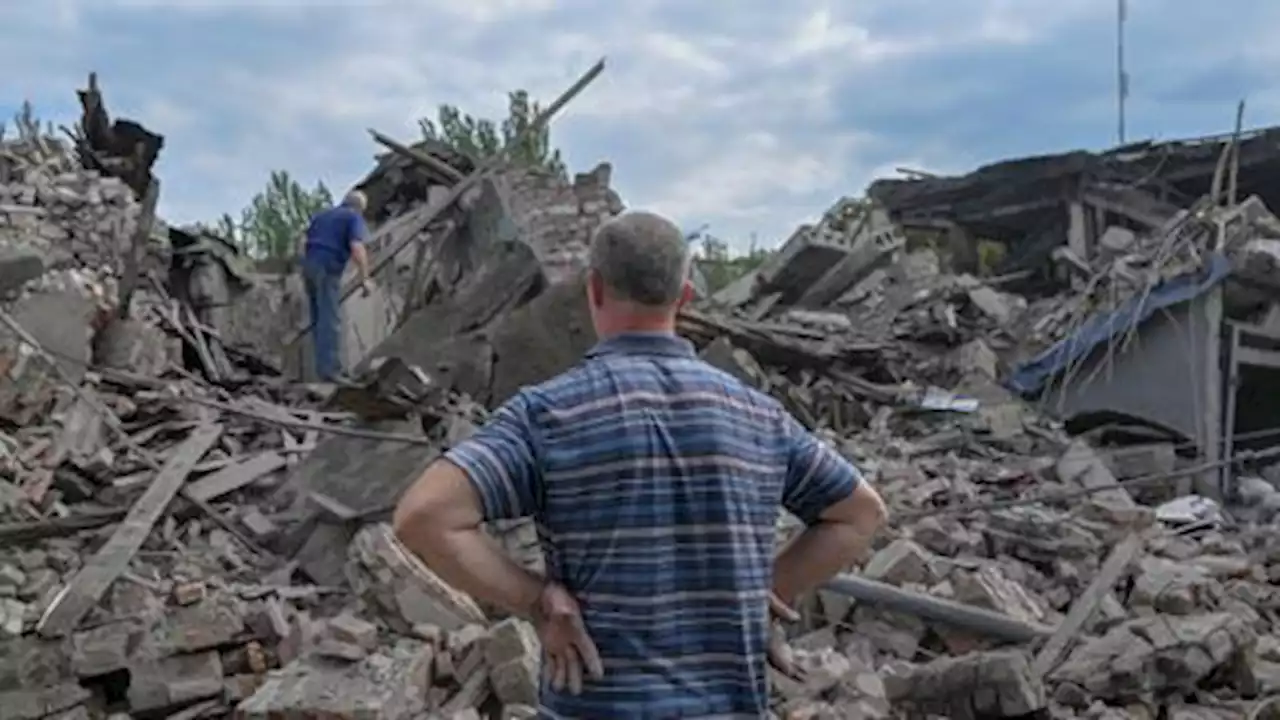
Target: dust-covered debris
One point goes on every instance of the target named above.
(151, 565)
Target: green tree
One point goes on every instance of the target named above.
(481, 139)
(721, 267)
(269, 227)
(27, 125)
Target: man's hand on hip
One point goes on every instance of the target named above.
(569, 652)
(780, 655)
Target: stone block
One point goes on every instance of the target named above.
(217, 620)
(104, 649)
(17, 268)
(29, 662)
(347, 628)
(172, 681)
(902, 562)
(390, 578)
(391, 685)
(516, 680)
(978, 685)
(37, 703)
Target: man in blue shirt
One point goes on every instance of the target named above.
(333, 237)
(656, 482)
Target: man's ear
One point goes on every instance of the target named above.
(595, 289)
(687, 294)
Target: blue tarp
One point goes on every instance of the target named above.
(1030, 377)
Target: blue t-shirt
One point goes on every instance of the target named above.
(331, 235)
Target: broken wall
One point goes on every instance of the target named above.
(556, 218)
(63, 233)
(1166, 376)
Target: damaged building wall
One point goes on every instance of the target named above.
(557, 218)
(1166, 375)
(63, 234)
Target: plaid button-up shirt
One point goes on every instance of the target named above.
(656, 481)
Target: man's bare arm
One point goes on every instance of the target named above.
(439, 519)
(361, 257)
(829, 545)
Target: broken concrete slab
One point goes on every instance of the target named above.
(513, 655)
(105, 649)
(801, 262)
(170, 682)
(392, 579)
(542, 339)
(979, 685)
(1162, 653)
(17, 268)
(214, 621)
(37, 703)
(29, 662)
(61, 321)
(362, 474)
(391, 685)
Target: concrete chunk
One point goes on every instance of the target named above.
(350, 629)
(17, 268)
(903, 561)
(388, 577)
(391, 685)
(216, 620)
(41, 702)
(177, 680)
(104, 649)
(978, 685)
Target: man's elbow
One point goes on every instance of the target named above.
(863, 511)
(871, 514)
(418, 513)
(433, 506)
(407, 516)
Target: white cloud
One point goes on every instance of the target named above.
(734, 113)
(748, 181)
(819, 33)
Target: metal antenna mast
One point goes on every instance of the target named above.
(1122, 77)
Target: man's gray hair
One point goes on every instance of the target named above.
(356, 200)
(642, 258)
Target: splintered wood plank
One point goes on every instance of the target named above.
(1078, 614)
(84, 591)
(232, 478)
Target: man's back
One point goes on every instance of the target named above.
(330, 235)
(657, 482)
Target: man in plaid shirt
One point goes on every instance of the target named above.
(656, 482)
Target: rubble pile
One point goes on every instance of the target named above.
(50, 204)
(184, 534)
(1129, 599)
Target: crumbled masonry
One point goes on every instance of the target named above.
(181, 535)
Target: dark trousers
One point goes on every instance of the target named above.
(324, 298)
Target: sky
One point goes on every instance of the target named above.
(750, 116)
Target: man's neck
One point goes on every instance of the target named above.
(637, 324)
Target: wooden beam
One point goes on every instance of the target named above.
(84, 591)
(232, 478)
(1080, 611)
(417, 156)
